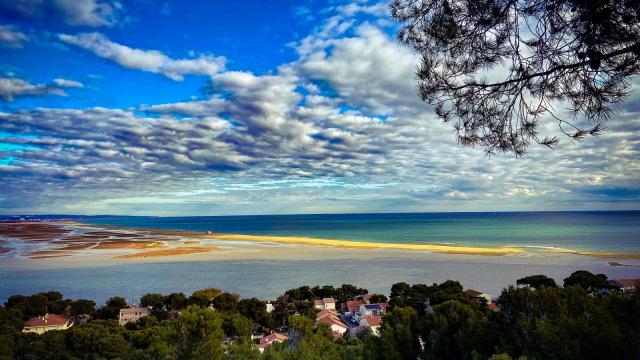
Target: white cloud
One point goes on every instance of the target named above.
(71, 12)
(66, 83)
(12, 38)
(378, 9)
(11, 88)
(325, 149)
(367, 69)
(146, 60)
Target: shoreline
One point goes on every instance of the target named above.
(337, 243)
(319, 242)
(67, 241)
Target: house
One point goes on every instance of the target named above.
(42, 324)
(371, 321)
(325, 304)
(493, 306)
(478, 295)
(330, 318)
(371, 309)
(270, 339)
(367, 298)
(132, 314)
(269, 307)
(625, 284)
(351, 306)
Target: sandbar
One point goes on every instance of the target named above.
(168, 252)
(291, 240)
(91, 242)
(609, 255)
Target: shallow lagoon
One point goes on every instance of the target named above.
(268, 279)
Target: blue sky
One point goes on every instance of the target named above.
(256, 107)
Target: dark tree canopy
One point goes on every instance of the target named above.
(586, 280)
(496, 68)
(537, 281)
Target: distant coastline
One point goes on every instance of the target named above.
(57, 239)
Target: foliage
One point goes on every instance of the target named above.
(343, 293)
(539, 54)
(537, 281)
(378, 298)
(586, 280)
(576, 321)
(111, 309)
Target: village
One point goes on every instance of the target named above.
(359, 316)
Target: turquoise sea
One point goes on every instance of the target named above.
(607, 231)
(617, 232)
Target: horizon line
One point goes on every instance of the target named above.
(327, 214)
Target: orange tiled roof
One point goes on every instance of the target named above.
(268, 339)
(352, 305)
(328, 320)
(47, 320)
(372, 320)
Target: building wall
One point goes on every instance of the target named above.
(44, 329)
(126, 318)
(338, 328)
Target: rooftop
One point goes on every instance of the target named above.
(268, 339)
(47, 320)
(133, 310)
(473, 293)
(372, 320)
(331, 320)
(373, 307)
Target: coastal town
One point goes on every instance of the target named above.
(359, 316)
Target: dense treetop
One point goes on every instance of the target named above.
(496, 68)
(585, 319)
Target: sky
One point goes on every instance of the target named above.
(151, 107)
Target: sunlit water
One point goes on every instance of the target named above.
(589, 231)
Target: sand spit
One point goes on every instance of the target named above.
(69, 239)
(168, 252)
(609, 255)
(366, 245)
(615, 263)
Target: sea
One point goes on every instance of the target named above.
(597, 231)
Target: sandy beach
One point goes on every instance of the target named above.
(60, 243)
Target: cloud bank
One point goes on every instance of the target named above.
(338, 129)
(71, 12)
(146, 60)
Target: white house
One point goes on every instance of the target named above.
(371, 321)
(325, 304)
(332, 319)
(371, 309)
(132, 314)
(270, 339)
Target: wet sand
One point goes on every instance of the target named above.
(101, 244)
(609, 255)
(168, 252)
